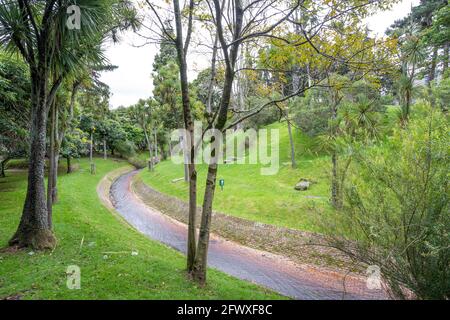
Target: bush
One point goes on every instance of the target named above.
(127, 149)
(312, 112)
(396, 209)
(137, 162)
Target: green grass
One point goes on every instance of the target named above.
(108, 270)
(250, 195)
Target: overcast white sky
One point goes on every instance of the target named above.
(132, 80)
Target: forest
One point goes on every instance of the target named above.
(358, 121)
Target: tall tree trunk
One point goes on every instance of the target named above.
(33, 230)
(69, 165)
(56, 148)
(291, 141)
(335, 193)
(91, 150)
(55, 177)
(336, 197)
(212, 78)
(201, 258)
(407, 104)
(105, 156)
(156, 144)
(51, 169)
(189, 126)
(3, 167)
(231, 53)
(149, 146)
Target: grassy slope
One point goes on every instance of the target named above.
(155, 273)
(250, 195)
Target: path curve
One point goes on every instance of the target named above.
(272, 271)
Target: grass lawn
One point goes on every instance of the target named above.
(250, 195)
(92, 238)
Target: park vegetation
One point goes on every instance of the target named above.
(376, 106)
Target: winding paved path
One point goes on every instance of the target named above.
(263, 268)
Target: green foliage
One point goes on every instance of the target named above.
(75, 144)
(137, 162)
(14, 107)
(167, 92)
(110, 130)
(397, 208)
(441, 93)
(312, 112)
(125, 148)
(439, 32)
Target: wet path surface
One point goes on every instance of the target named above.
(271, 271)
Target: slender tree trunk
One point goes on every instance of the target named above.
(189, 126)
(69, 165)
(150, 153)
(336, 197)
(33, 230)
(201, 258)
(105, 156)
(408, 104)
(91, 150)
(335, 193)
(57, 147)
(3, 167)
(200, 263)
(55, 177)
(51, 168)
(213, 77)
(291, 141)
(170, 147)
(156, 144)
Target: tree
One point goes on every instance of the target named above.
(88, 125)
(38, 32)
(74, 145)
(142, 113)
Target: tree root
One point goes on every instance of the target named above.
(40, 239)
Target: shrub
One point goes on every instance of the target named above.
(126, 148)
(396, 211)
(137, 162)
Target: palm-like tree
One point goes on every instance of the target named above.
(411, 54)
(355, 121)
(37, 31)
